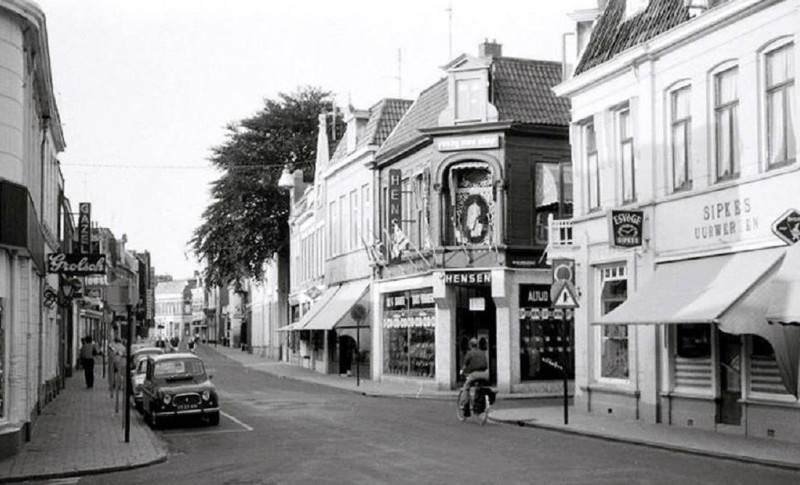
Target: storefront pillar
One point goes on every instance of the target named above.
(446, 372)
(500, 294)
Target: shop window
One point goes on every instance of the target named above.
(781, 107)
(726, 104)
(681, 129)
(694, 341)
(614, 338)
(553, 196)
(765, 376)
(541, 347)
(469, 204)
(409, 334)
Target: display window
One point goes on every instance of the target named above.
(409, 331)
(614, 338)
(542, 342)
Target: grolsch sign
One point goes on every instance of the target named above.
(625, 227)
(76, 264)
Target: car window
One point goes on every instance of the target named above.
(192, 367)
(142, 367)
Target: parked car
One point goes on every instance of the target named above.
(142, 352)
(137, 379)
(177, 385)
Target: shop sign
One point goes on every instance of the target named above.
(409, 304)
(395, 218)
(483, 278)
(421, 298)
(787, 227)
(468, 143)
(76, 264)
(477, 304)
(625, 227)
(94, 293)
(85, 228)
(534, 296)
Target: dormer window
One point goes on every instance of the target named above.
(470, 97)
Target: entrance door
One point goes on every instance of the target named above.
(347, 347)
(475, 318)
(729, 408)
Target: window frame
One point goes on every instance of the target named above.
(475, 94)
(685, 125)
(611, 272)
(589, 151)
(623, 117)
(720, 109)
(767, 91)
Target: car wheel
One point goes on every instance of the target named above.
(213, 419)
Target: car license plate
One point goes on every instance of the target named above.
(183, 407)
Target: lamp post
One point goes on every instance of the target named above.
(358, 313)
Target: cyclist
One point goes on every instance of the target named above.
(475, 366)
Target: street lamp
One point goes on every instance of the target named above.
(287, 179)
(68, 291)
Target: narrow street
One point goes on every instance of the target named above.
(283, 431)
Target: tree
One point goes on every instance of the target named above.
(245, 224)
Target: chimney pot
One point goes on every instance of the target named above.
(490, 49)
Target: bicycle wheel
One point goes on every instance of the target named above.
(461, 405)
(483, 416)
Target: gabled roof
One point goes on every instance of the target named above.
(383, 117)
(614, 34)
(522, 94)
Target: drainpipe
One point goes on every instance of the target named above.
(12, 320)
(43, 279)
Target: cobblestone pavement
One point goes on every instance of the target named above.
(80, 433)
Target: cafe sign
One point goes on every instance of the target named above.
(76, 264)
(625, 227)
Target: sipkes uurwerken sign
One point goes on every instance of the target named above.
(76, 264)
(625, 227)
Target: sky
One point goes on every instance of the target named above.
(145, 88)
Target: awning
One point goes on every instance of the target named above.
(694, 291)
(287, 328)
(337, 308)
(784, 306)
(316, 308)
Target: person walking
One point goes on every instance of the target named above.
(88, 351)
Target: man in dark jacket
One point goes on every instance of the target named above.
(88, 351)
(475, 364)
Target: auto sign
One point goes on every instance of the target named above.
(625, 227)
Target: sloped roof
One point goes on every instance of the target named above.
(614, 34)
(522, 94)
(383, 117)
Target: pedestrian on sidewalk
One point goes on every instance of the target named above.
(88, 351)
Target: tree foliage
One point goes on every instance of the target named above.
(245, 224)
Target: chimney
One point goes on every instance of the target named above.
(490, 49)
(696, 7)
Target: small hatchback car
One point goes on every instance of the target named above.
(176, 385)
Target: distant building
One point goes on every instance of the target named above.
(173, 316)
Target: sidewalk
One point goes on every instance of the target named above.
(79, 434)
(687, 440)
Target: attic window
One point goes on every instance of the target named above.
(634, 7)
(470, 97)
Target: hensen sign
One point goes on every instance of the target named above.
(76, 264)
(625, 227)
(483, 278)
(395, 209)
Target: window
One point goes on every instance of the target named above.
(343, 231)
(781, 107)
(366, 209)
(334, 225)
(614, 338)
(468, 99)
(592, 165)
(625, 132)
(552, 196)
(765, 375)
(726, 102)
(356, 219)
(409, 333)
(694, 341)
(681, 128)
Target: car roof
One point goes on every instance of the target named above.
(179, 355)
(144, 350)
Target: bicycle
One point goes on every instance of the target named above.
(477, 403)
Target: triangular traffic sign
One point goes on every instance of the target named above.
(565, 297)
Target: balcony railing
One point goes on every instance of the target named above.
(560, 233)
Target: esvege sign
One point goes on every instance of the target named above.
(625, 228)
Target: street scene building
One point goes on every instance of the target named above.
(684, 147)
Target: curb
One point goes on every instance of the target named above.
(83, 473)
(650, 444)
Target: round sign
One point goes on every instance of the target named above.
(358, 312)
(562, 271)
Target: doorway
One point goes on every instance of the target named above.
(476, 317)
(729, 408)
(347, 348)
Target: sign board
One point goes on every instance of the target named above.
(477, 278)
(477, 304)
(564, 296)
(395, 217)
(625, 228)
(478, 142)
(534, 296)
(563, 270)
(787, 227)
(76, 264)
(85, 228)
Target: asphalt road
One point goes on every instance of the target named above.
(282, 431)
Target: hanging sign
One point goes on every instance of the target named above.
(395, 218)
(76, 264)
(85, 228)
(625, 227)
(534, 296)
(787, 227)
